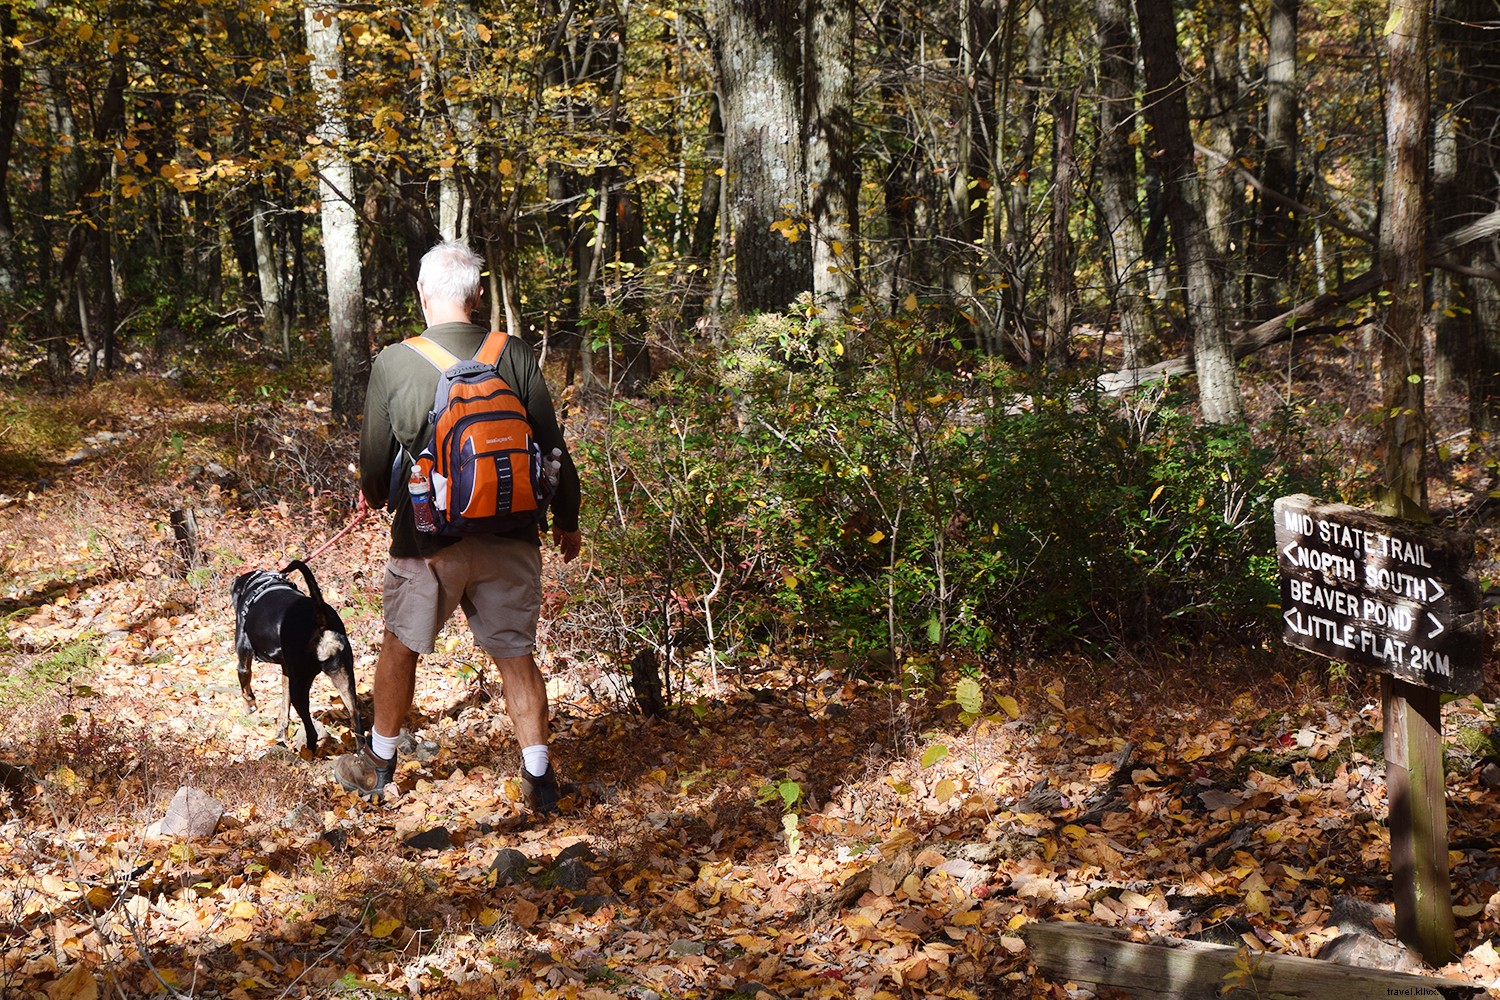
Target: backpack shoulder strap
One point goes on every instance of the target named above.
(434, 352)
(493, 346)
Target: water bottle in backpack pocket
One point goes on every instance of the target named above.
(479, 457)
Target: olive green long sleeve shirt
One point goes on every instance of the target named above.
(397, 403)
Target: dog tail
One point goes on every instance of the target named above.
(307, 575)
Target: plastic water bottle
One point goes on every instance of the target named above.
(421, 500)
(552, 467)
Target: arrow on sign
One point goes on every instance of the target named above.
(1290, 548)
(1437, 587)
(1438, 626)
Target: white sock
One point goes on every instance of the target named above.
(535, 759)
(383, 747)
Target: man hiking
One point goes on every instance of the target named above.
(495, 576)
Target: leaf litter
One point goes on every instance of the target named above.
(819, 836)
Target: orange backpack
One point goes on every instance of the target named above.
(479, 457)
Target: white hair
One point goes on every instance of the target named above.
(451, 272)
(330, 644)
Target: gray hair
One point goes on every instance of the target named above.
(450, 272)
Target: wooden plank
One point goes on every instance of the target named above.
(1412, 718)
(1170, 969)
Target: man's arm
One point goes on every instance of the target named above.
(532, 388)
(376, 442)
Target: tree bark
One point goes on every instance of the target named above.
(1403, 253)
(274, 327)
(1223, 197)
(1060, 280)
(1118, 208)
(343, 269)
(1276, 226)
(759, 55)
(832, 185)
(10, 108)
(1202, 272)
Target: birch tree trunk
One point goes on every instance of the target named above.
(1403, 252)
(1119, 211)
(832, 186)
(274, 332)
(341, 254)
(759, 56)
(1202, 272)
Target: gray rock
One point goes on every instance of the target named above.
(581, 850)
(510, 866)
(682, 946)
(1369, 952)
(1351, 915)
(593, 902)
(1489, 776)
(437, 839)
(192, 814)
(571, 874)
(422, 751)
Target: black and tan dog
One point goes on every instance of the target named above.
(276, 623)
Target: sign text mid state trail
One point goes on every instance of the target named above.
(1379, 592)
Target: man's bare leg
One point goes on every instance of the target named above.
(525, 697)
(395, 684)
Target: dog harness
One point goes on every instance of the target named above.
(261, 584)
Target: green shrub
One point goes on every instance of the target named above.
(783, 495)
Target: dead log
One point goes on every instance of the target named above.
(1172, 969)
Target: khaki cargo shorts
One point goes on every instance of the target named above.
(497, 581)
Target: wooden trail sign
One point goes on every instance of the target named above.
(1380, 592)
(1397, 596)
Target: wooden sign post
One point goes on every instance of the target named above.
(1399, 597)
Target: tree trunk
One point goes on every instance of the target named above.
(1403, 253)
(966, 172)
(1203, 274)
(1060, 280)
(1014, 247)
(759, 60)
(1224, 201)
(706, 222)
(274, 327)
(10, 108)
(1118, 210)
(832, 185)
(1276, 228)
(341, 252)
(907, 213)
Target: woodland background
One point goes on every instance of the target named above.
(932, 369)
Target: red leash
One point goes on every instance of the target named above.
(358, 517)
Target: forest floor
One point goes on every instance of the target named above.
(804, 832)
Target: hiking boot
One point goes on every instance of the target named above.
(539, 791)
(364, 773)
